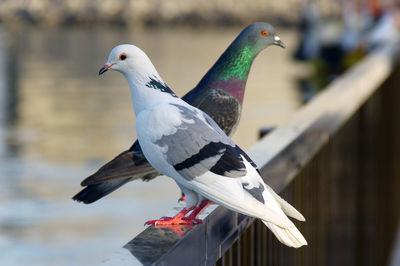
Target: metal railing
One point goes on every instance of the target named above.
(337, 161)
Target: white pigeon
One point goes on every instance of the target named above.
(184, 143)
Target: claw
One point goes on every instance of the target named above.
(154, 222)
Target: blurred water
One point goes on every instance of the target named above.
(59, 122)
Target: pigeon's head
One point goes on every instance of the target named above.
(126, 58)
(260, 35)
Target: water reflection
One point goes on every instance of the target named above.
(59, 122)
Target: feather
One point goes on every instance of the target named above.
(94, 192)
(229, 193)
(291, 236)
(286, 207)
(128, 164)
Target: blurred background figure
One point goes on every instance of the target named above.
(310, 27)
(59, 122)
(334, 44)
(386, 26)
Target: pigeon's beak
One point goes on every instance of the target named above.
(277, 41)
(106, 67)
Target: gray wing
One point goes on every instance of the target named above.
(92, 193)
(220, 105)
(199, 146)
(128, 164)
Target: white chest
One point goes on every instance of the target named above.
(151, 125)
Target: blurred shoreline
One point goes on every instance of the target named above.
(156, 12)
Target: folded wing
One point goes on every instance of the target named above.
(212, 165)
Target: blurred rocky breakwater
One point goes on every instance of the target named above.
(155, 12)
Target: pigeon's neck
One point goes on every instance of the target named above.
(231, 70)
(147, 90)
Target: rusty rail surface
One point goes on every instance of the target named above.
(337, 161)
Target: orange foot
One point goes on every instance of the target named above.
(179, 218)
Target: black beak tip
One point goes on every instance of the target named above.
(102, 70)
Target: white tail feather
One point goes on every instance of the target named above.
(288, 209)
(291, 236)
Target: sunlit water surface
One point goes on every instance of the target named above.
(59, 122)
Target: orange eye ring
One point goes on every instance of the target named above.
(264, 33)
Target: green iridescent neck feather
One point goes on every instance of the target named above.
(237, 63)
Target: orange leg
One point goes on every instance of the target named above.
(203, 205)
(179, 218)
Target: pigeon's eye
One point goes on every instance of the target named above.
(122, 57)
(264, 33)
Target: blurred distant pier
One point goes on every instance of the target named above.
(336, 161)
(156, 12)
